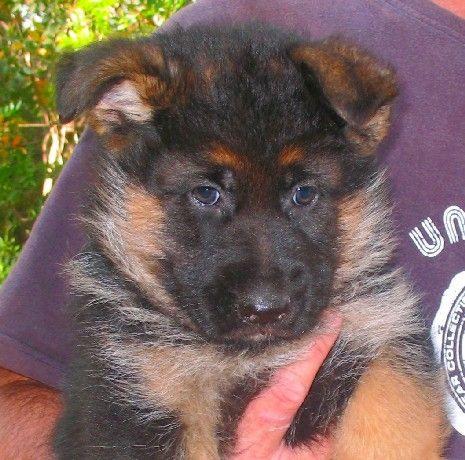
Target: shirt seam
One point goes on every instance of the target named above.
(33, 353)
(427, 21)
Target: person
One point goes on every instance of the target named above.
(424, 41)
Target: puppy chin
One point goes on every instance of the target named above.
(256, 338)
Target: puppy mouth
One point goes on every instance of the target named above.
(245, 335)
(255, 333)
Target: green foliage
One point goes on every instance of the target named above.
(9, 251)
(92, 20)
(20, 203)
(33, 145)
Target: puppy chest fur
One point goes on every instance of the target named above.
(238, 199)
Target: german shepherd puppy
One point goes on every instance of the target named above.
(237, 200)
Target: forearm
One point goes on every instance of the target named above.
(28, 412)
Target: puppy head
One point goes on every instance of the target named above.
(228, 155)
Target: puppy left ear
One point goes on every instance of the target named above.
(358, 88)
(115, 82)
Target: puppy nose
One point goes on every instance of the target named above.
(261, 309)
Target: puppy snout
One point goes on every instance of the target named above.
(263, 306)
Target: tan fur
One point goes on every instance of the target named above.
(194, 396)
(142, 237)
(290, 155)
(366, 239)
(142, 229)
(227, 158)
(367, 243)
(353, 230)
(140, 232)
(391, 417)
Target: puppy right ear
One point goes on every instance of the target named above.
(114, 82)
(356, 86)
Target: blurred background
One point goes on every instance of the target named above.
(34, 146)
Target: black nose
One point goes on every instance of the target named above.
(263, 307)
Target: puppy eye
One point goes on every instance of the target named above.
(205, 195)
(305, 195)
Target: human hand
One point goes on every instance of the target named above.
(268, 417)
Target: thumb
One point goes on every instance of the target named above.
(268, 417)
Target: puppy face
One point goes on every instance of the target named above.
(253, 253)
(228, 153)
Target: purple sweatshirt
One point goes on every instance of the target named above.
(425, 155)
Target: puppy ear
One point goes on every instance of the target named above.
(113, 82)
(356, 86)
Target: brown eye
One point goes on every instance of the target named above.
(205, 195)
(305, 195)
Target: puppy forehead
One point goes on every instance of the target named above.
(264, 169)
(290, 155)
